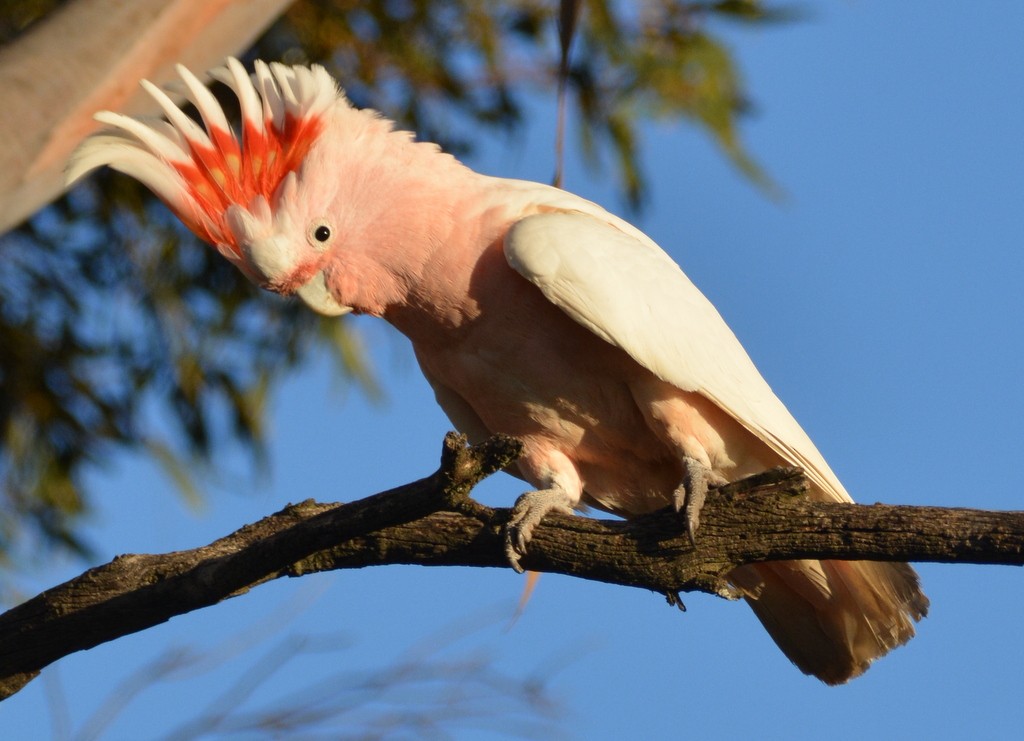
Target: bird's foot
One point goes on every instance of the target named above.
(690, 495)
(529, 510)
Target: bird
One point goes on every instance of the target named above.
(531, 311)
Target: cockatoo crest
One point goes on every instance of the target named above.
(224, 187)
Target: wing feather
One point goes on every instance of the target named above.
(619, 284)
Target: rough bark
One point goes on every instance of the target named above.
(432, 522)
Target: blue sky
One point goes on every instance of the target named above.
(883, 301)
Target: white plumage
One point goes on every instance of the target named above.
(622, 286)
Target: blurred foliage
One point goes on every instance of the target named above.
(435, 688)
(118, 331)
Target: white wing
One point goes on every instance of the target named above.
(616, 282)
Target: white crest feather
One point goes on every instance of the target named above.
(201, 171)
(201, 97)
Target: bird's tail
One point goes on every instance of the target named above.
(833, 618)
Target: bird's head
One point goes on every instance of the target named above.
(259, 198)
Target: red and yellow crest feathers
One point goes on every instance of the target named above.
(201, 171)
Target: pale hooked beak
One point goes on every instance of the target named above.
(316, 296)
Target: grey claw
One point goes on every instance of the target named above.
(513, 555)
(689, 496)
(527, 513)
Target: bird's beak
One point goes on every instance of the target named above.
(316, 296)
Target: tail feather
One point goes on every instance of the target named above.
(834, 628)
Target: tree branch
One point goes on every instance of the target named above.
(432, 522)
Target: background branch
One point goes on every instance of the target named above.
(432, 522)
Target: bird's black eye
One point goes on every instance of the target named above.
(319, 235)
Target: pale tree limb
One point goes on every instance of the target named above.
(433, 522)
(88, 55)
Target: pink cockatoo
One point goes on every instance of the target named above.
(532, 312)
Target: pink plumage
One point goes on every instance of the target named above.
(532, 312)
